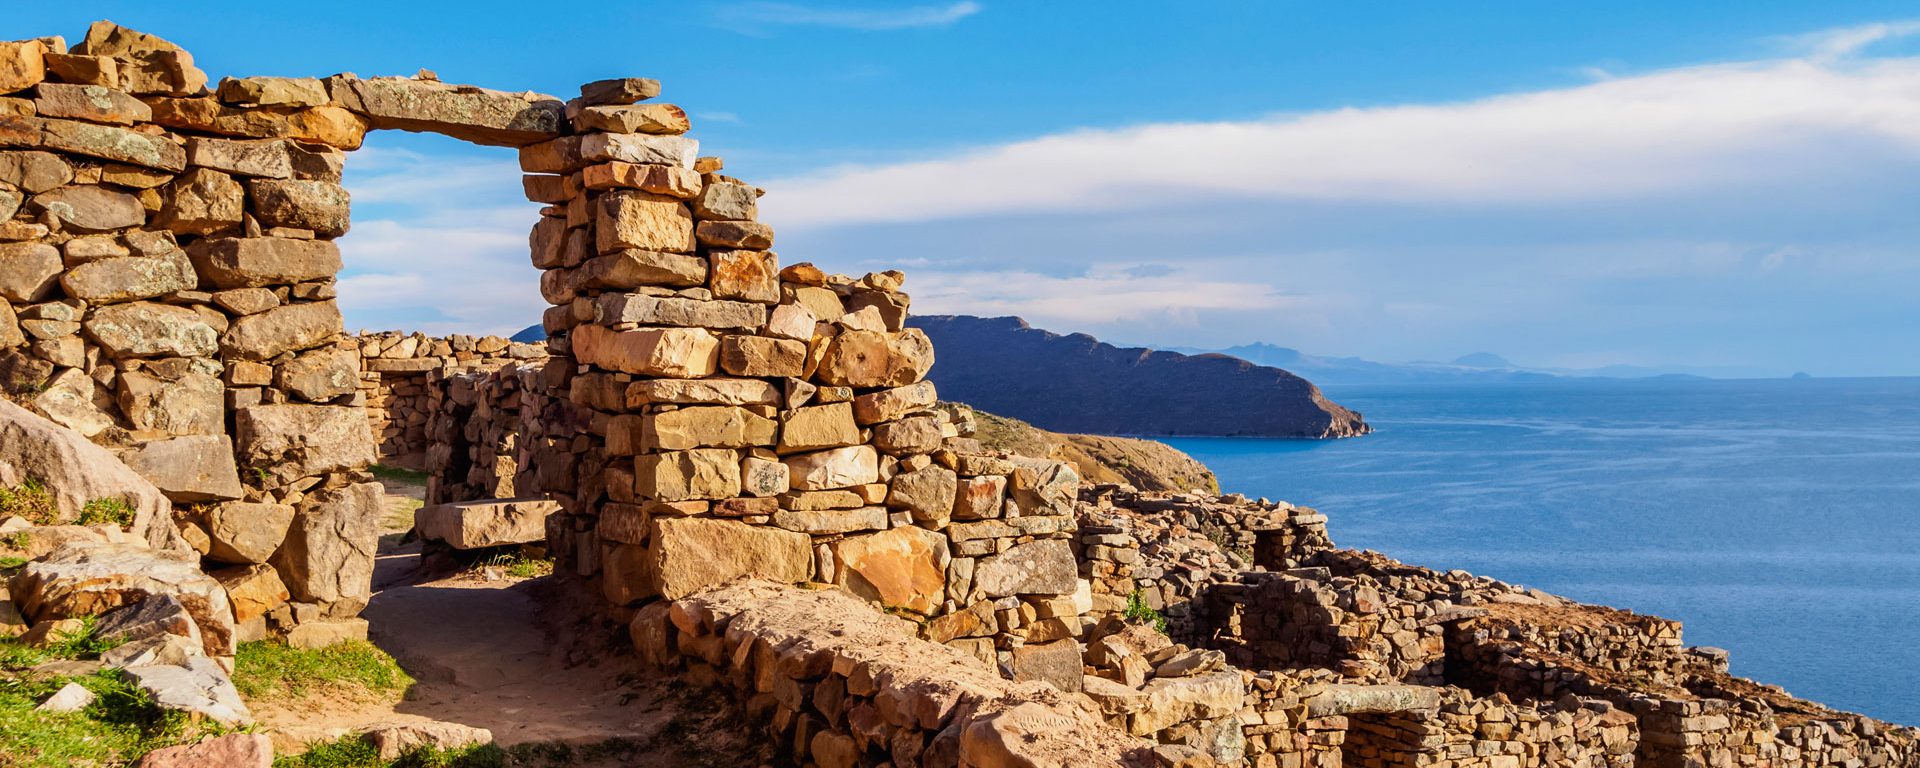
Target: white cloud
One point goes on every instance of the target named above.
(1682, 131)
(1842, 42)
(866, 19)
(1106, 294)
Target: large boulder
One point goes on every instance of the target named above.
(295, 441)
(903, 567)
(1044, 567)
(190, 469)
(200, 687)
(76, 471)
(328, 554)
(92, 580)
(488, 523)
(690, 554)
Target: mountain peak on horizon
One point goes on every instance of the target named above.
(1483, 360)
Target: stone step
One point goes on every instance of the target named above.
(486, 522)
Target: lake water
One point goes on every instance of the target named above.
(1778, 519)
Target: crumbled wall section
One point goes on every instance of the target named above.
(398, 372)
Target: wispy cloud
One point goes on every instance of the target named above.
(1690, 130)
(865, 19)
(1829, 45)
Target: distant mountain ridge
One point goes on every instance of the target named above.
(1076, 383)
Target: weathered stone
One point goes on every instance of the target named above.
(236, 750)
(282, 329)
(927, 493)
(190, 469)
(1043, 567)
(836, 468)
(671, 310)
(911, 435)
(763, 477)
(127, 278)
(315, 205)
(486, 523)
(639, 118)
(10, 335)
(701, 392)
(701, 473)
(72, 697)
(690, 554)
(829, 521)
(394, 741)
(272, 91)
(750, 235)
(817, 427)
(790, 321)
(76, 472)
(246, 532)
(745, 275)
(328, 554)
(200, 688)
(22, 65)
(254, 590)
(1057, 663)
(669, 180)
(108, 143)
(478, 115)
(248, 262)
(191, 403)
(322, 374)
(202, 202)
(147, 64)
(143, 329)
(34, 172)
(887, 405)
(150, 617)
(630, 219)
(719, 426)
(264, 159)
(1180, 699)
(635, 268)
(91, 208)
(69, 400)
(326, 124)
(84, 70)
(727, 201)
(95, 579)
(28, 271)
(89, 102)
(638, 148)
(899, 568)
(869, 359)
(760, 356)
(670, 352)
(305, 440)
(625, 90)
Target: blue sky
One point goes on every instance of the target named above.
(1708, 186)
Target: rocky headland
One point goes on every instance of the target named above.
(1076, 383)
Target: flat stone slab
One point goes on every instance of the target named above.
(486, 523)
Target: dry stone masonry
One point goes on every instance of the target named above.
(742, 461)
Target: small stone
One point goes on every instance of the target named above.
(23, 65)
(71, 697)
(683, 353)
(262, 158)
(745, 275)
(633, 268)
(143, 329)
(238, 750)
(759, 356)
(247, 262)
(836, 468)
(818, 427)
(90, 208)
(246, 532)
(202, 202)
(727, 201)
(701, 473)
(272, 91)
(638, 118)
(89, 102)
(320, 206)
(864, 359)
(629, 219)
(625, 90)
(750, 235)
(284, 329)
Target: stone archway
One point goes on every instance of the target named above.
(706, 415)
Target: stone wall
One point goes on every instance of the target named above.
(396, 373)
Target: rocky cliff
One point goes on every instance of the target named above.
(1076, 383)
(1149, 465)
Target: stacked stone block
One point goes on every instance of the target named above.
(398, 371)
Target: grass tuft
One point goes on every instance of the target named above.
(122, 724)
(355, 752)
(516, 565)
(30, 500)
(1139, 611)
(271, 670)
(109, 511)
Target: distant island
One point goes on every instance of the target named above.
(1475, 368)
(1076, 383)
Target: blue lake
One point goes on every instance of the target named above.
(1778, 519)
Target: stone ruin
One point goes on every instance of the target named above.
(743, 461)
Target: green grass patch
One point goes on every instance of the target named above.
(398, 475)
(1138, 611)
(30, 500)
(517, 564)
(108, 511)
(355, 752)
(10, 563)
(271, 670)
(122, 724)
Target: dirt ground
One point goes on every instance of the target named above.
(512, 656)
